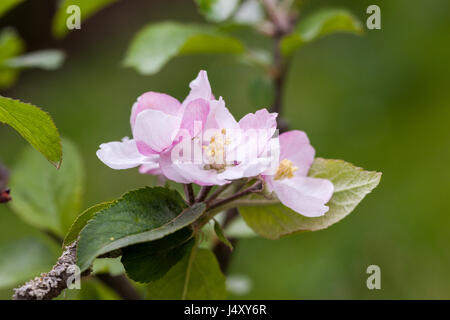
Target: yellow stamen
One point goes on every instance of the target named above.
(285, 170)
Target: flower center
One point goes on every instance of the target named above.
(285, 170)
(215, 151)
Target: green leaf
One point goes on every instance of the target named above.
(87, 7)
(34, 125)
(219, 233)
(139, 216)
(44, 59)
(351, 185)
(196, 277)
(23, 259)
(146, 262)
(11, 45)
(82, 220)
(113, 266)
(318, 25)
(157, 43)
(46, 198)
(217, 10)
(6, 5)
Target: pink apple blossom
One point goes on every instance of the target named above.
(290, 183)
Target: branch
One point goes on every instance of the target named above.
(50, 285)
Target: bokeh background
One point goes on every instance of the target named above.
(380, 101)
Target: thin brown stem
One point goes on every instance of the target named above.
(189, 192)
(121, 285)
(217, 193)
(203, 193)
(256, 187)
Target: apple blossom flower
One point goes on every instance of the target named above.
(156, 120)
(304, 195)
(228, 150)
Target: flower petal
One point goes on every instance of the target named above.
(155, 101)
(295, 147)
(194, 117)
(123, 155)
(200, 88)
(304, 195)
(155, 131)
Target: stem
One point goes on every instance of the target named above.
(188, 271)
(217, 193)
(121, 285)
(203, 193)
(256, 187)
(189, 192)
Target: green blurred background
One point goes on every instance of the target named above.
(380, 101)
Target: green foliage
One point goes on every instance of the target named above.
(46, 198)
(113, 266)
(23, 259)
(44, 59)
(82, 220)
(319, 24)
(196, 276)
(150, 261)
(6, 5)
(157, 43)
(87, 7)
(217, 10)
(34, 125)
(351, 185)
(139, 216)
(220, 235)
(11, 45)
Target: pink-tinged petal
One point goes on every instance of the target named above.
(168, 170)
(151, 168)
(188, 172)
(155, 101)
(223, 116)
(155, 131)
(123, 155)
(261, 119)
(246, 169)
(304, 195)
(194, 117)
(257, 129)
(295, 147)
(200, 88)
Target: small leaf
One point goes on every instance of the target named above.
(87, 7)
(34, 125)
(23, 259)
(351, 185)
(318, 25)
(44, 59)
(146, 262)
(157, 43)
(11, 45)
(82, 220)
(219, 233)
(7, 5)
(46, 198)
(217, 10)
(195, 277)
(139, 216)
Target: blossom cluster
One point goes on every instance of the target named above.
(199, 141)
